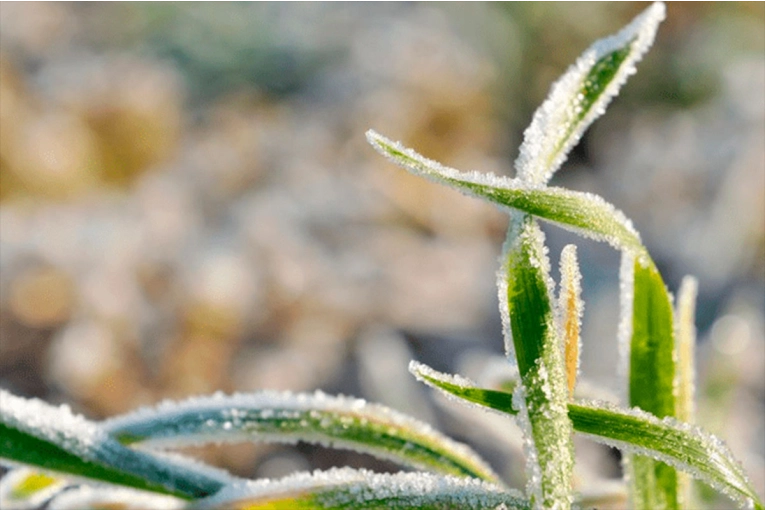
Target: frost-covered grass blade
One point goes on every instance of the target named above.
(678, 444)
(582, 94)
(583, 213)
(348, 488)
(531, 333)
(53, 438)
(316, 418)
(651, 376)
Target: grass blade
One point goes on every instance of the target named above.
(582, 94)
(525, 294)
(37, 434)
(114, 498)
(27, 488)
(583, 213)
(315, 418)
(651, 377)
(678, 444)
(348, 488)
(685, 375)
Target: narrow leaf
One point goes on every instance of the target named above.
(651, 380)
(686, 346)
(582, 94)
(340, 422)
(347, 488)
(113, 498)
(26, 488)
(584, 213)
(53, 438)
(525, 292)
(678, 444)
(685, 376)
(570, 309)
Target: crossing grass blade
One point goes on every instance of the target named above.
(347, 488)
(340, 422)
(679, 445)
(583, 213)
(37, 434)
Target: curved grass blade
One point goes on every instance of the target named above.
(24, 488)
(582, 94)
(531, 333)
(315, 418)
(649, 326)
(113, 498)
(583, 213)
(677, 444)
(347, 488)
(53, 438)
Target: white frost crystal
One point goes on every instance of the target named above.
(350, 488)
(59, 425)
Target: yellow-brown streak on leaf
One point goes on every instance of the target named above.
(686, 343)
(570, 304)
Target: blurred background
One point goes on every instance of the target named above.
(188, 203)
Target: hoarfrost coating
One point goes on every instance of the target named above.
(345, 487)
(341, 422)
(562, 119)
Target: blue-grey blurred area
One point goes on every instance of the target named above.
(188, 203)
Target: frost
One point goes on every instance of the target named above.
(433, 170)
(626, 300)
(24, 488)
(114, 498)
(349, 488)
(58, 425)
(582, 94)
(105, 458)
(678, 444)
(570, 309)
(450, 386)
(339, 422)
(584, 213)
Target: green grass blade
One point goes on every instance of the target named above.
(347, 488)
(678, 444)
(583, 213)
(648, 326)
(525, 293)
(316, 418)
(581, 95)
(37, 434)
